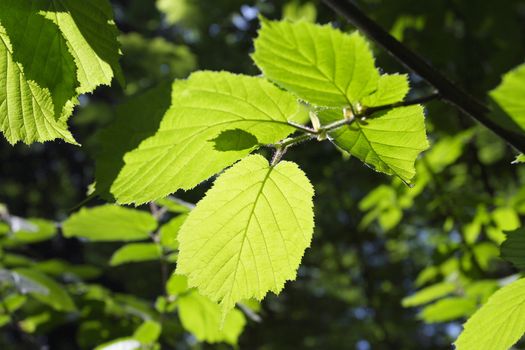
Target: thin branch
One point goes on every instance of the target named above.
(449, 91)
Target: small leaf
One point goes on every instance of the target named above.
(202, 317)
(391, 88)
(109, 223)
(234, 140)
(248, 235)
(506, 219)
(180, 155)
(499, 323)
(170, 230)
(176, 285)
(148, 332)
(136, 252)
(389, 141)
(448, 309)
(429, 294)
(320, 64)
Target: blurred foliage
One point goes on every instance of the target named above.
(378, 244)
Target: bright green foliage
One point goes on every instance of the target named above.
(96, 52)
(295, 11)
(448, 309)
(170, 230)
(318, 63)
(499, 323)
(510, 95)
(506, 219)
(513, 248)
(391, 88)
(388, 141)
(109, 223)
(176, 285)
(136, 252)
(50, 55)
(202, 317)
(259, 221)
(429, 294)
(148, 332)
(48, 291)
(181, 153)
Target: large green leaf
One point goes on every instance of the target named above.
(182, 153)
(110, 223)
(248, 235)
(319, 63)
(50, 54)
(513, 248)
(91, 37)
(390, 142)
(499, 323)
(202, 317)
(27, 111)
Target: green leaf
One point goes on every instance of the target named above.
(126, 133)
(248, 235)
(176, 285)
(320, 64)
(202, 317)
(170, 230)
(27, 111)
(429, 294)
(499, 323)
(148, 332)
(506, 219)
(389, 142)
(295, 11)
(391, 88)
(51, 292)
(96, 52)
(513, 248)
(136, 252)
(181, 154)
(50, 55)
(448, 309)
(510, 95)
(109, 223)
